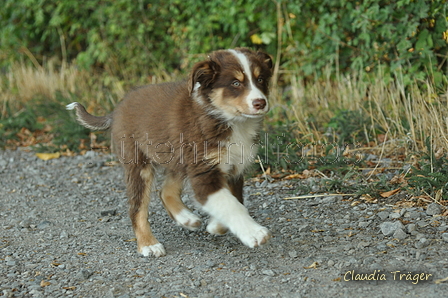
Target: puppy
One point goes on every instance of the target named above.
(204, 130)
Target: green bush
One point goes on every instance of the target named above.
(126, 35)
(410, 35)
(142, 37)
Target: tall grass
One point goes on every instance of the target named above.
(402, 116)
(22, 83)
(390, 111)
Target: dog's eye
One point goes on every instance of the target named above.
(236, 83)
(260, 80)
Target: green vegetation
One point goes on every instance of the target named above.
(359, 88)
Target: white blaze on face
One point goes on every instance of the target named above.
(254, 92)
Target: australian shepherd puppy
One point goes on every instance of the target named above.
(203, 129)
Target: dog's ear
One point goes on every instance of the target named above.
(265, 58)
(203, 73)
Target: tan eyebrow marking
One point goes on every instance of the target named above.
(239, 76)
(257, 71)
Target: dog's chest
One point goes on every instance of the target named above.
(240, 149)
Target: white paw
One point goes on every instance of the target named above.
(253, 235)
(215, 227)
(188, 220)
(156, 250)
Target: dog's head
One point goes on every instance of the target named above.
(233, 84)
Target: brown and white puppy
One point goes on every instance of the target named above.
(203, 130)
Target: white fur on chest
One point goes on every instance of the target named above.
(240, 150)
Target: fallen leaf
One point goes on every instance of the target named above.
(48, 156)
(82, 254)
(294, 176)
(44, 283)
(312, 266)
(439, 153)
(368, 198)
(337, 279)
(397, 179)
(389, 193)
(131, 240)
(438, 281)
(69, 288)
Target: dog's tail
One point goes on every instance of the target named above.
(88, 120)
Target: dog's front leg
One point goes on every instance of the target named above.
(236, 188)
(225, 209)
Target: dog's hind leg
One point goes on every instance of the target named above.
(170, 195)
(139, 182)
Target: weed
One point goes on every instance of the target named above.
(430, 175)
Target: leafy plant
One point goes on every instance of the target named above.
(146, 38)
(431, 176)
(348, 126)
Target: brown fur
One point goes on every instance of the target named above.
(179, 126)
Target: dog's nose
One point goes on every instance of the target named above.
(259, 103)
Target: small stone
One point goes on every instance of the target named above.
(139, 285)
(330, 199)
(83, 274)
(25, 223)
(399, 225)
(363, 224)
(363, 244)
(268, 272)
(411, 228)
(109, 212)
(304, 228)
(433, 209)
(36, 293)
(400, 234)
(423, 242)
(394, 215)
(264, 183)
(422, 223)
(330, 263)
(140, 271)
(43, 225)
(388, 228)
(445, 237)
(442, 228)
(419, 236)
(293, 254)
(383, 215)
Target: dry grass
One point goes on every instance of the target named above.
(24, 83)
(407, 115)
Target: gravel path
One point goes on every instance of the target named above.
(64, 231)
